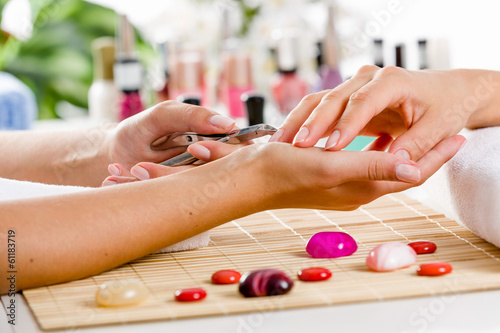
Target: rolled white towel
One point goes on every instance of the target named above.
(14, 189)
(467, 188)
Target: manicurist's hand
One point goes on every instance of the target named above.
(129, 143)
(418, 108)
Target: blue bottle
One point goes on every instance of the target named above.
(17, 104)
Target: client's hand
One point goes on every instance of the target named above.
(344, 180)
(206, 151)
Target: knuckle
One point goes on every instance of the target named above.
(333, 95)
(368, 69)
(310, 98)
(391, 71)
(359, 96)
(420, 145)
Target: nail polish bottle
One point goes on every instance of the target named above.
(288, 87)
(329, 71)
(103, 94)
(193, 100)
(162, 92)
(254, 104)
(400, 55)
(127, 71)
(378, 52)
(422, 54)
(237, 79)
(187, 75)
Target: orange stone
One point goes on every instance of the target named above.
(434, 269)
(226, 276)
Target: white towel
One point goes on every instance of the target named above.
(467, 188)
(13, 189)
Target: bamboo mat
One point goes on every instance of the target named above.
(277, 239)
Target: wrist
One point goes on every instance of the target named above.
(482, 87)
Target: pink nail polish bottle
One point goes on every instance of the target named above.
(288, 87)
(328, 70)
(187, 75)
(237, 80)
(127, 71)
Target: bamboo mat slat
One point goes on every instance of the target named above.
(277, 239)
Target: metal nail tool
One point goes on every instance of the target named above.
(184, 139)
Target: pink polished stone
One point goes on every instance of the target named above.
(331, 244)
(226, 276)
(423, 247)
(391, 256)
(190, 294)
(314, 274)
(434, 269)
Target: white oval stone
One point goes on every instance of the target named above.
(391, 256)
(121, 292)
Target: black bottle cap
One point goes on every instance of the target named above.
(254, 103)
(378, 45)
(400, 56)
(194, 100)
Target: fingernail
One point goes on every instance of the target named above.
(200, 152)
(139, 172)
(108, 182)
(221, 121)
(407, 173)
(403, 153)
(302, 135)
(333, 139)
(114, 170)
(276, 136)
(463, 144)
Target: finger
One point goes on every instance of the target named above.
(116, 169)
(331, 108)
(146, 170)
(379, 144)
(429, 163)
(115, 180)
(211, 150)
(171, 116)
(297, 117)
(419, 139)
(370, 165)
(386, 90)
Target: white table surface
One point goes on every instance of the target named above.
(466, 312)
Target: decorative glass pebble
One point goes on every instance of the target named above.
(391, 256)
(434, 269)
(226, 276)
(190, 294)
(314, 274)
(121, 293)
(331, 244)
(265, 282)
(423, 247)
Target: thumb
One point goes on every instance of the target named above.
(418, 140)
(374, 165)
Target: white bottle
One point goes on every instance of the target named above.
(103, 93)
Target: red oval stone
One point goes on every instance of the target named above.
(314, 274)
(423, 247)
(434, 269)
(226, 276)
(190, 294)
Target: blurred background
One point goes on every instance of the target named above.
(250, 59)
